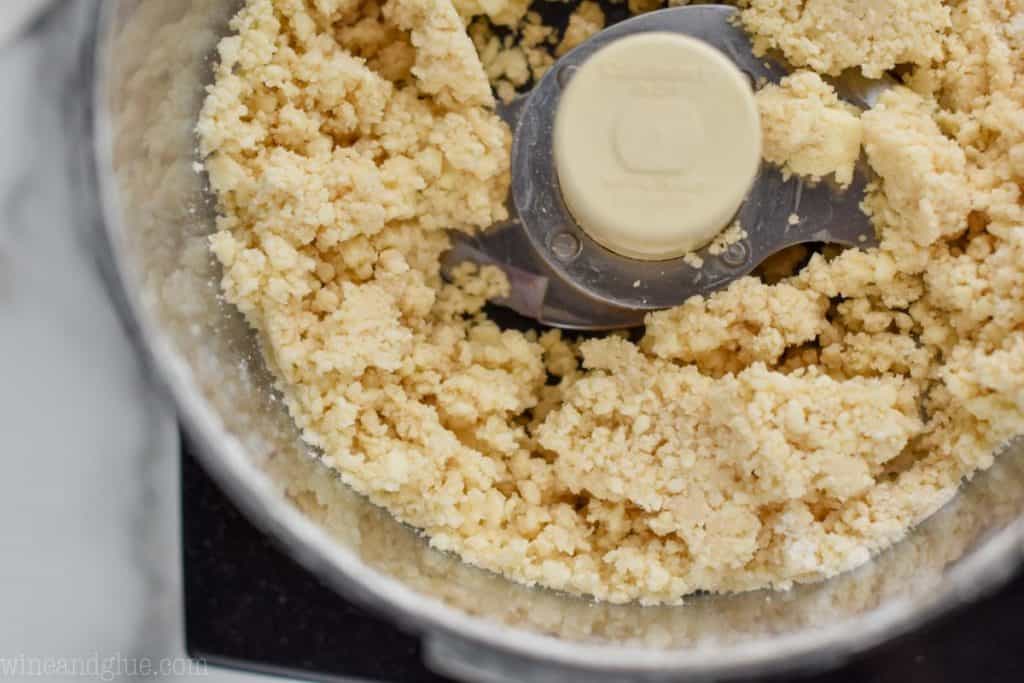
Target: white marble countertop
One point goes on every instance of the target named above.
(91, 564)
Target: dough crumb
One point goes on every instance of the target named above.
(831, 35)
(693, 260)
(807, 130)
(584, 22)
(725, 239)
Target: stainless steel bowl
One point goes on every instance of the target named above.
(152, 61)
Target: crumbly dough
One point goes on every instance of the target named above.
(500, 12)
(808, 130)
(518, 59)
(765, 435)
(585, 21)
(831, 35)
(728, 237)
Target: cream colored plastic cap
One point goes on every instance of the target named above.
(657, 141)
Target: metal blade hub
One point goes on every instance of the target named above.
(563, 277)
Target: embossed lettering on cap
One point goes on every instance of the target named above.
(656, 135)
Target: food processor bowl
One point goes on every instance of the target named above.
(152, 61)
